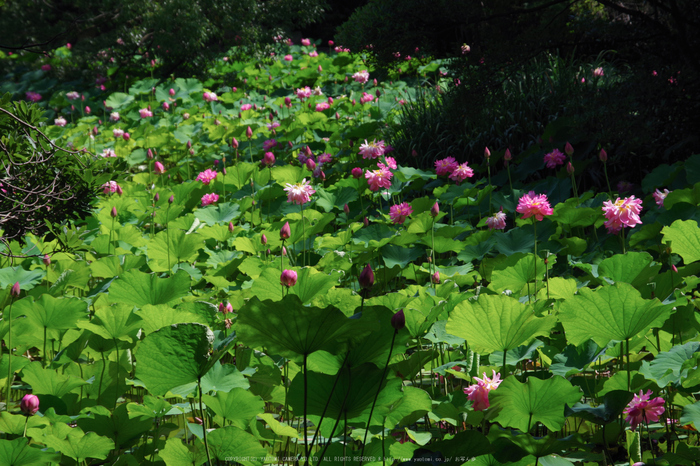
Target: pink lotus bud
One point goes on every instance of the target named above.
(29, 405)
(171, 199)
(126, 136)
(222, 308)
(263, 240)
(95, 131)
(172, 92)
(366, 221)
(113, 213)
(284, 251)
(288, 101)
(288, 278)
(285, 231)
(378, 93)
(268, 251)
(603, 156)
(156, 198)
(159, 168)
(310, 164)
(487, 153)
(87, 110)
(569, 168)
(14, 291)
(234, 143)
(508, 157)
(674, 268)
(307, 151)
(353, 102)
(118, 190)
(414, 153)
(337, 116)
(249, 132)
(398, 320)
(435, 278)
(271, 116)
(568, 149)
(166, 106)
(320, 69)
(191, 151)
(149, 153)
(331, 43)
(346, 209)
(46, 260)
(366, 278)
(268, 159)
(228, 309)
(435, 210)
(356, 172)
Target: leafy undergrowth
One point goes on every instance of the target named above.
(221, 305)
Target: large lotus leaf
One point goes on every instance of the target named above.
(51, 313)
(413, 405)
(398, 255)
(177, 453)
(162, 315)
(139, 288)
(685, 239)
(691, 414)
(218, 214)
(238, 406)
(80, 446)
(671, 366)
(123, 429)
(14, 424)
(574, 359)
(289, 328)
(27, 279)
(226, 443)
(614, 402)
(49, 382)
(310, 284)
(174, 356)
(116, 322)
(183, 248)
(119, 100)
(18, 452)
(494, 323)
(521, 405)
(516, 272)
(614, 312)
(633, 268)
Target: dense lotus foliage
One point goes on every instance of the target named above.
(263, 281)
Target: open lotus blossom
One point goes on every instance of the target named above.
(659, 196)
(372, 150)
(207, 176)
(273, 125)
(445, 166)
(378, 179)
(73, 95)
(114, 116)
(288, 58)
(305, 42)
(497, 221)
(299, 193)
(304, 92)
(366, 98)
(209, 199)
(110, 187)
(461, 173)
(288, 278)
(109, 152)
(33, 96)
(145, 113)
(210, 97)
(623, 213)
(643, 409)
(269, 144)
(361, 76)
(479, 393)
(391, 162)
(322, 106)
(314, 54)
(399, 213)
(118, 133)
(60, 121)
(325, 158)
(598, 72)
(245, 107)
(536, 205)
(554, 158)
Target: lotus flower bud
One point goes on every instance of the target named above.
(310, 164)
(171, 199)
(46, 260)
(263, 240)
(414, 153)
(398, 320)
(284, 251)
(346, 209)
(119, 190)
(508, 157)
(603, 156)
(29, 405)
(487, 153)
(366, 278)
(366, 221)
(285, 231)
(230, 227)
(435, 210)
(222, 308)
(189, 144)
(156, 198)
(14, 291)
(356, 172)
(435, 278)
(249, 132)
(113, 213)
(234, 143)
(568, 149)
(569, 168)
(320, 69)
(288, 278)
(159, 168)
(171, 92)
(149, 153)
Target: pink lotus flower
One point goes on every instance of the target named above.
(598, 72)
(479, 393)
(268, 159)
(114, 116)
(158, 168)
(372, 150)
(356, 172)
(273, 125)
(288, 58)
(110, 187)
(29, 405)
(315, 54)
(117, 132)
(361, 76)
(536, 205)
(288, 278)
(305, 42)
(623, 213)
(166, 106)
(304, 92)
(379, 178)
(60, 121)
(399, 213)
(145, 113)
(366, 98)
(210, 97)
(461, 173)
(207, 176)
(269, 144)
(46, 67)
(390, 162)
(171, 92)
(322, 106)
(445, 166)
(325, 158)
(209, 199)
(33, 96)
(659, 196)
(73, 95)
(554, 158)
(643, 409)
(497, 221)
(109, 152)
(126, 136)
(245, 107)
(299, 193)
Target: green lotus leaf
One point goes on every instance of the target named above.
(685, 239)
(633, 268)
(183, 248)
(116, 322)
(177, 453)
(80, 446)
(237, 406)
(231, 442)
(516, 272)
(138, 288)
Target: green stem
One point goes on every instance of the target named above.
(605, 170)
(306, 399)
(488, 169)
(204, 420)
(303, 237)
(44, 353)
(629, 374)
(534, 224)
(167, 237)
(505, 372)
(8, 386)
(116, 348)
